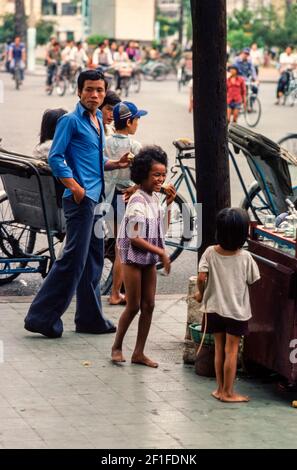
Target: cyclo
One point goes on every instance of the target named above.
(32, 223)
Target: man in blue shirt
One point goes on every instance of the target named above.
(76, 158)
(245, 66)
(17, 55)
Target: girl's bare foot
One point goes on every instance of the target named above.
(217, 394)
(117, 300)
(234, 398)
(117, 355)
(143, 360)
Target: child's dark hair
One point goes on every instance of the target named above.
(90, 75)
(144, 160)
(232, 228)
(49, 123)
(111, 98)
(122, 124)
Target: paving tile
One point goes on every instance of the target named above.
(50, 399)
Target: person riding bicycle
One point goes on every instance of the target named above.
(101, 58)
(121, 64)
(6, 55)
(17, 56)
(78, 57)
(66, 59)
(185, 66)
(287, 63)
(53, 59)
(246, 69)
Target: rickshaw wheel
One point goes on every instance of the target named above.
(15, 240)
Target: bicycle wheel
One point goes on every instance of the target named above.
(125, 83)
(256, 201)
(17, 78)
(292, 97)
(159, 73)
(180, 229)
(72, 86)
(136, 83)
(16, 240)
(289, 142)
(253, 111)
(109, 256)
(60, 85)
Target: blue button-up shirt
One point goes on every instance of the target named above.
(246, 68)
(77, 152)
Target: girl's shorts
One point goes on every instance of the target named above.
(234, 105)
(218, 324)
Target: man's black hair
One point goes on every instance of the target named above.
(90, 75)
(144, 160)
(232, 228)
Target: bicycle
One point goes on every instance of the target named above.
(58, 82)
(17, 75)
(253, 110)
(290, 94)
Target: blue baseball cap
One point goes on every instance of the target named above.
(126, 110)
(246, 50)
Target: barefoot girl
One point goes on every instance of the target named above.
(225, 272)
(141, 246)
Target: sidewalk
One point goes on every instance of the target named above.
(268, 75)
(65, 393)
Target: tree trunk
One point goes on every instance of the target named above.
(288, 5)
(181, 24)
(210, 123)
(20, 19)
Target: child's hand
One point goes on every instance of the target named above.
(170, 192)
(198, 296)
(166, 262)
(127, 193)
(124, 161)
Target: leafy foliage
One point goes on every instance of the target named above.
(44, 30)
(266, 26)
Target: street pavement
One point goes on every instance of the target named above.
(66, 393)
(168, 119)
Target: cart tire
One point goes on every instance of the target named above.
(256, 200)
(10, 247)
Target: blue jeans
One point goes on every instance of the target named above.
(77, 271)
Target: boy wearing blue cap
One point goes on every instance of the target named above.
(126, 116)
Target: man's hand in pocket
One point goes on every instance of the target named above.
(78, 194)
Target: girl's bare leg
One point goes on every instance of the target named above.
(230, 365)
(116, 298)
(148, 291)
(235, 115)
(132, 281)
(220, 340)
(229, 112)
